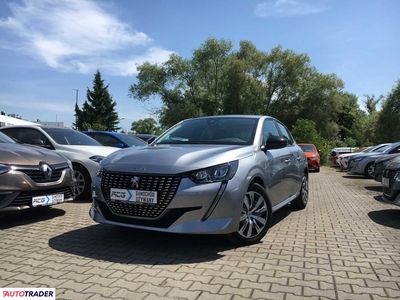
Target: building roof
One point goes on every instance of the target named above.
(6, 121)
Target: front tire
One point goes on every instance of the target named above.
(301, 201)
(369, 170)
(83, 182)
(255, 217)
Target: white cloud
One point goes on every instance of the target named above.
(75, 35)
(116, 66)
(39, 106)
(285, 8)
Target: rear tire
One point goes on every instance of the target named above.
(255, 217)
(83, 183)
(301, 201)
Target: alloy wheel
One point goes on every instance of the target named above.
(254, 215)
(80, 183)
(304, 190)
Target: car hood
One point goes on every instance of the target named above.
(173, 159)
(372, 155)
(89, 150)
(387, 157)
(17, 154)
(348, 154)
(394, 164)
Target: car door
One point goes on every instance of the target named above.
(294, 159)
(275, 165)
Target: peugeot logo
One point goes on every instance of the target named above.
(135, 182)
(47, 170)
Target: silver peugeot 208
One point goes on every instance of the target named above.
(210, 175)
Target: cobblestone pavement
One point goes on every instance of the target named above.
(344, 245)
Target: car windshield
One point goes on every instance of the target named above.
(383, 149)
(307, 148)
(64, 136)
(368, 149)
(131, 140)
(215, 131)
(5, 138)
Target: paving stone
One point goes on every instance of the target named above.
(346, 252)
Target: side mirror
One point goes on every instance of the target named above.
(36, 142)
(275, 142)
(119, 145)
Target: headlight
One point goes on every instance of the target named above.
(70, 164)
(97, 158)
(316, 157)
(4, 169)
(385, 163)
(215, 174)
(99, 173)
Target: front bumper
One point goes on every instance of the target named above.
(356, 168)
(20, 190)
(391, 192)
(313, 163)
(212, 208)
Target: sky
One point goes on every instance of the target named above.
(51, 49)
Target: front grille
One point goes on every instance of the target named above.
(39, 176)
(165, 186)
(391, 175)
(25, 198)
(165, 221)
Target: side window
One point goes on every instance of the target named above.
(395, 150)
(12, 133)
(34, 137)
(107, 140)
(269, 128)
(285, 133)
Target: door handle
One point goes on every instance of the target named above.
(287, 160)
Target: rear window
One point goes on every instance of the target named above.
(70, 137)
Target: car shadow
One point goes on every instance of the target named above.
(281, 214)
(386, 217)
(29, 216)
(133, 246)
(355, 177)
(374, 188)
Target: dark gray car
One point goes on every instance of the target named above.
(32, 177)
(391, 181)
(214, 175)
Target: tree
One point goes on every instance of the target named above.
(148, 126)
(218, 80)
(388, 124)
(98, 110)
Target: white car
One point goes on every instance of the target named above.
(84, 152)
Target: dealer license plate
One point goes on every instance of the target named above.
(133, 196)
(47, 200)
(385, 182)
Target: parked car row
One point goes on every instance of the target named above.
(211, 175)
(380, 162)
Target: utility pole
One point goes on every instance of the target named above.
(76, 111)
